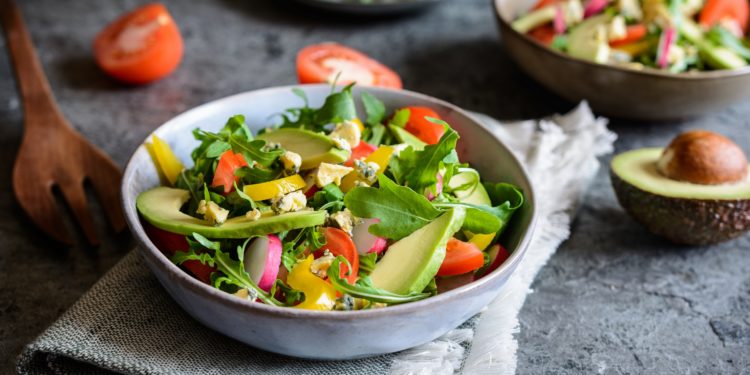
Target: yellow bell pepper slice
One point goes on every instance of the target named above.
(319, 295)
(167, 164)
(270, 189)
(381, 157)
(481, 240)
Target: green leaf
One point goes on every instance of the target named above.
(401, 210)
(479, 219)
(400, 118)
(724, 37)
(367, 263)
(375, 134)
(337, 107)
(217, 148)
(374, 109)
(419, 169)
(364, 288)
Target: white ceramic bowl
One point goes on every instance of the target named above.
(328, 334)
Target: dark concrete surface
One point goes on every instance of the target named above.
(614, 299)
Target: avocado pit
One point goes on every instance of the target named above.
(696, 191)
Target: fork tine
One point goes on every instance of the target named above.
(75, 196)
(42, 210)
(105, 178)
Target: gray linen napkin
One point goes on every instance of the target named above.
(128, 324)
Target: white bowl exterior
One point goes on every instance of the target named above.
(327, 335)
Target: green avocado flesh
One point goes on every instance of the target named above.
(161, 208)
(638, 167)
(413, 261)
(681, 212)
(476, 196)
(409, 139)
(314, 148)
(587, 41)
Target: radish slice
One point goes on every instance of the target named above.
(262, 260)
(498, 255)
(559, 21)
(438, 188)
(665, 45)
(365, 241)
(594, 7)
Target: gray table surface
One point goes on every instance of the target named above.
(614, 299)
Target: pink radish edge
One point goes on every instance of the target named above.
(366, 242)
(262, 260)
(498, 255)
(665, 45)
(438, 187)
(594, 7)
(559, 21)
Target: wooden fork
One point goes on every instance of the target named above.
(52, 154)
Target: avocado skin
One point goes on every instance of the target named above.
(684, 221)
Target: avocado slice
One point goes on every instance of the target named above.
(588, 40)
(413, 261)
(477, 196)
(716, 56)
(682, 212)
(314, 148)
(160, 207)
(403, 136)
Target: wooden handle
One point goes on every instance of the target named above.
(35, 90)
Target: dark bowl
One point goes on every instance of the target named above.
(647, 94)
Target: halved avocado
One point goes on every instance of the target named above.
(682, 212)
(161, 208)
(314, 148)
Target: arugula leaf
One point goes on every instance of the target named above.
(401, 210)
(363, 288)
(375, 134)
(367, 263)
(419, 169)
(233, 270)
(237, 135)
(337, 107)
(374, 108)
(329, 198)
(479, 219)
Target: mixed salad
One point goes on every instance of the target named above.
(671, 35)
(327, 212)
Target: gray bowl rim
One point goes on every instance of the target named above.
(147, 247)
(648, 72)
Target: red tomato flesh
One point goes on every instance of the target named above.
(543, 34)
(714, 11)
(634, 33)
(224, 176)
(141, 46)
(362, 150)
(170, 243)
(322, 63)
(339, 243)
(460, 257)
(424, 129)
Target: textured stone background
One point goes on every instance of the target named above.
(613, 300)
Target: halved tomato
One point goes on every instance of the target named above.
(718, 11)
(323, 63)
(362, 150)
(424, 129)
(224, 176)
(339, 243)
(141, 46)
(460, 257)
(170, 243)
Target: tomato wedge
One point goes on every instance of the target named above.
(543, 34)
(224, 176)
(339, 243)
(362, 150)
(141, 46)
(170, 243)
(714, 11)
(322, 63)
(633, 34)
(544, 3)
(424, 129)
(460, 257)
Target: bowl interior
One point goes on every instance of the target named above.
(261, 109)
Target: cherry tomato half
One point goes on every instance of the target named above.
(460, 257)
(322, 63)
(714, 11)
(339, 243)
(229, 162)
(424, 129)
(170, 243)
(141, 46)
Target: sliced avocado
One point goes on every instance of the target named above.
(314, 148)
(409, 139)
(161, 208)
(588, 40)
(413, 261)
(679, 211)
(716, 56)
(478, 195)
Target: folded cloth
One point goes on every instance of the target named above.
(128, 324)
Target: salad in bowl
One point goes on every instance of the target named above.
(327, 209)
